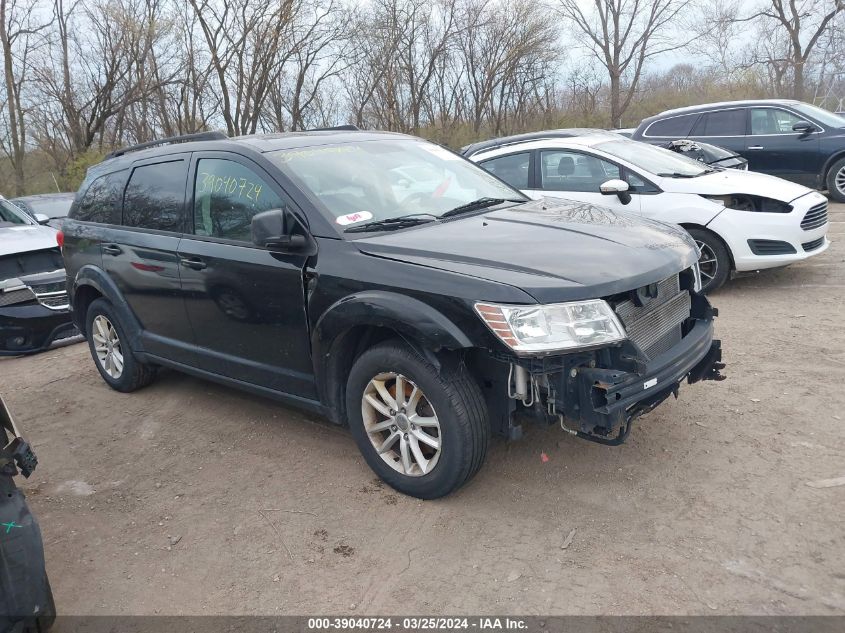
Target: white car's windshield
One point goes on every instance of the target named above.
(821, 115)
(376, 180)
(656, 160)
(10, 214)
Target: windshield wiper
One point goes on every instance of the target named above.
(390, 224)
(676, 174)
(475, 205)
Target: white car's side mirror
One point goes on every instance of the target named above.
(613, 186)
(617, 187)
(41, 218)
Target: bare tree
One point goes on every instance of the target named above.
(249, 42)
(507, 49)
(320, 47)
(623, 35)
(797, 26)
(19, 31)
(97, 70)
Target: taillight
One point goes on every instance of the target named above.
(60, 238)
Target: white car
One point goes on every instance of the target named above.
(742, 221)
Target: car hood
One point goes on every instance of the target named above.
(552, 249)
(23, 238)
(732, 181)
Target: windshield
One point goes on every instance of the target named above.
(653, 159)
(51, 207)
(376, 180)
(10, 214)
(825, 117)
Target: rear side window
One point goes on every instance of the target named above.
(513, 169)
(226, 196)
(101, 199)
(155, 196)
(675, 127)
(721, 123)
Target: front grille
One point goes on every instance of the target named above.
(18, 295)
(656, 325)
(53, 300)
(811, 246)
(815, 217)
(770, 247)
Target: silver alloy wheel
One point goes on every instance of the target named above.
(708, 264)
(401, 424)
(107, 346)
(839, 181)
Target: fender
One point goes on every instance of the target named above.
(90, 275)
(827, 165)
(424, 327)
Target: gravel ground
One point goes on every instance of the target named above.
(191, 498)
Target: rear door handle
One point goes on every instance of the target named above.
(755, 147)
(193, 262)
(112, 249)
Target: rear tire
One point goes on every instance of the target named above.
(714, 262)
(836, 180)
(109, 348)
(431, 440)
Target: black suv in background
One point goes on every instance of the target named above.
(387, 283)
(790, 139)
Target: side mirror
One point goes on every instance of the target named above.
(273, 230)
(41, 218)
(803, 127)
(617, 187)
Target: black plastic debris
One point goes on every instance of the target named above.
(26, 600)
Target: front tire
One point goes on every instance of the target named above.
(424, 432)
(109, 348)
(836, 180)
(714, 261)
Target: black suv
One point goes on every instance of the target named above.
(790, 139)
(387, 283)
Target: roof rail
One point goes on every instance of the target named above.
(503, 141)
(336, 128)
(184, 138)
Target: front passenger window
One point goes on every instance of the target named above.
(765, 121)
(227, 195)
(572, 171)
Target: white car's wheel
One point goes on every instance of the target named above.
(714, 262)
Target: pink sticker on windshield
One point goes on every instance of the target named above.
(352, 218)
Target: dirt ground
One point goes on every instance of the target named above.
(191, 498)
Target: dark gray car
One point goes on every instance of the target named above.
(46, 208)
(790, 139)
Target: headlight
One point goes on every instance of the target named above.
(748, 202)
(553, 327)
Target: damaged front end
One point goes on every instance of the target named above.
(597, 394)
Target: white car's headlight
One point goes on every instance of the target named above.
(553, 327)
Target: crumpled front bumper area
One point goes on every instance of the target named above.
(33, 313)
(598, 398)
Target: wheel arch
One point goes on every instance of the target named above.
(829, 163)
(356, 323)
(92, 283)
(692, 225)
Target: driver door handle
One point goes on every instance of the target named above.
(193, 262)
(112, 249)
(755, 147)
